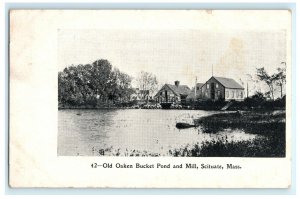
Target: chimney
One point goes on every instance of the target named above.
(177, 83)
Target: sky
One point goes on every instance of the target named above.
(177, 54)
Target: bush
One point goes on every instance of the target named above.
(209, 104)
(92, 101)
(255, 101)
(258, 101)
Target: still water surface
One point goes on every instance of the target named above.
(117, 131)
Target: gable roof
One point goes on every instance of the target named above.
(228, 82)
(180, 89)
(199, 85)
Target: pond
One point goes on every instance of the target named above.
(111, 132)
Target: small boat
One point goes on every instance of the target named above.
(181, 125)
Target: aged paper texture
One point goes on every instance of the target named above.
(150, 98)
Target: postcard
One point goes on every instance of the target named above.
(150, 98)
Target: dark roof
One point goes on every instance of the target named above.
(180, 89)
(228, 82)
(199, 85)
(198, 92)
(144, 92)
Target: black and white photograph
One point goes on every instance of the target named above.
(178, 93)
(141, 98)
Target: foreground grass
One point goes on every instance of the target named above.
(257, 147)
(269, 126)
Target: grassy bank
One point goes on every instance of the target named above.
(255, 122)
(268, 125)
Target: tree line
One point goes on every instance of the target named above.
(99, 84)
(93, 83)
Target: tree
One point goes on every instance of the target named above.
(251, 85)
(268, 79)
(280, 79)
(101, 78)
(147, 81)
(90, 83)
(123, 88)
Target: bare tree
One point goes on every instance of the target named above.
(252, 85)
(270, 80)
(280, 79)
(147, 81)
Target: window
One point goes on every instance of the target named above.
(217, 85)
(197, 88)
(241, 94)
(206, 93)
(227, 94)
(207, 85)
(232, 94)
(160, 93)
(237, 94)
(219, 94)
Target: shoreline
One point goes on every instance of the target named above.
(269, 126)
(192, 109)
(250, 121)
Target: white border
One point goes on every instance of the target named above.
(3, 79)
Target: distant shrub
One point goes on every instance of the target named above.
(127, 104)
(258, 101)
(209, 104)
(255, 101)
(152, 101)
(92, 101)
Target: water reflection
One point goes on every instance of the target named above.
(121, 132)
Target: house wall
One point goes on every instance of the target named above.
(234, 94)
(171, 96)
(219, 90)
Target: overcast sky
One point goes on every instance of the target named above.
(175, 54)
